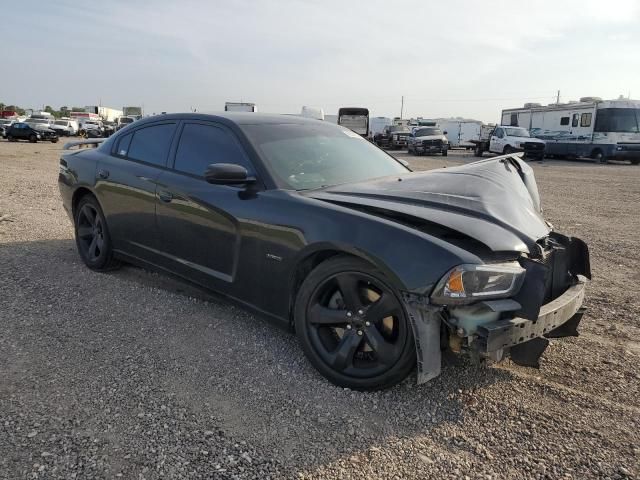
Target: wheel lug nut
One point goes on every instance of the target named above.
(348, 327)
(360, 332)
(360, 312)
(367, 324)
(348, 314)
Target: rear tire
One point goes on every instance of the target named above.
(599, 156)
(92, 236)
(352, 325)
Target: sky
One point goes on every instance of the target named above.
(447, 58)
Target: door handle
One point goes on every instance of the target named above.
(103, 174)
(165, 196)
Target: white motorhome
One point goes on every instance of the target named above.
(460, 133)
(595, 128)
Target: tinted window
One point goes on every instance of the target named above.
(151, 144)
(514, 119)
(574, 122)
(617, 120)
(564, 121)
(123, 145)
(499, 133)
(201, 145)
(585, 120)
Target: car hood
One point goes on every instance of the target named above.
(527, 139)
(493, 201)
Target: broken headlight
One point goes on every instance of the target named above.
(470, 283)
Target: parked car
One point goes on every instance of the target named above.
(4, 124)
(95, 126)
(39, 123)
(427, 140)
(65, 127)
(375, 267)
(23, 131)
(108, 128)
(393, 137)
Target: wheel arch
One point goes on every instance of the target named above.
(313, 256)
(78, 195)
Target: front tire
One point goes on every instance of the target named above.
(92, 236)
(352, 325)
(445, 152)
(33, 138)
(599, 156)
(508, 150)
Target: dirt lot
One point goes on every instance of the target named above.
(134, 375)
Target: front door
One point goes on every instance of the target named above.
(496, 144)
(199, 223)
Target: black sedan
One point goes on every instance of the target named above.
(23, 131)
(376, 268)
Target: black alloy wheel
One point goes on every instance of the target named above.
(353, 327)
(33, 138)
(92, 236)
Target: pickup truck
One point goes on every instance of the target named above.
(504, 140)
(427, 140)
(392, 137)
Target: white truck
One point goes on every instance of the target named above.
(240, 107)
(503, 139)
(592, 127)
(355, 118)
(377, 124)
(65, 127)
(312, 112)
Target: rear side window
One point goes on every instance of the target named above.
(514, 119)
(123, 145)
(585, 120)
(201, 145)
(151, 144)
(564, 121)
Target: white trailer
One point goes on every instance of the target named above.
(240, 107)
(377, 124)
(595, 128)
(312, 112)
(461, 133)
(105, 113)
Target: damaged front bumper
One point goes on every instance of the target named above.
(548, 305)
(558, 318)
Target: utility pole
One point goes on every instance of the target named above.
(558, 98)
(401, 106)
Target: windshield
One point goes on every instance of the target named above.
(126, 120)
(623, 120)
(5, 122)
(61, 122)
(304, 157)
(37, 120)
(423, 132)
(397, 129)
(517, 132)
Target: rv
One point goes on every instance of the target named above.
(595, 128)
(355, 118)
(105, 113)
(240, 107)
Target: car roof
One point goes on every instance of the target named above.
(238, 118)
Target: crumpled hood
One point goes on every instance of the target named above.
(493, 201)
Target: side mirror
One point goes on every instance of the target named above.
(445, 132)
(227, 174)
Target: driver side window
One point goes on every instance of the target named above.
(201, 145)
(499, 133)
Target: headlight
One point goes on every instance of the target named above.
(38, 135)
(395, 137)
(469, 283)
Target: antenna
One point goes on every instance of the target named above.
(558, 98)
(401, 106)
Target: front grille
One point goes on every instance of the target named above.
(556, 258)
(432, 143)
(533, 147)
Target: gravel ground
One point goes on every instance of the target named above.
(135, 375)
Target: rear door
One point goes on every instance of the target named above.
(126, 187)
(198, 222)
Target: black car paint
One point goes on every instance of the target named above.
(27, 131)
(254, 243)
(246, 236)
